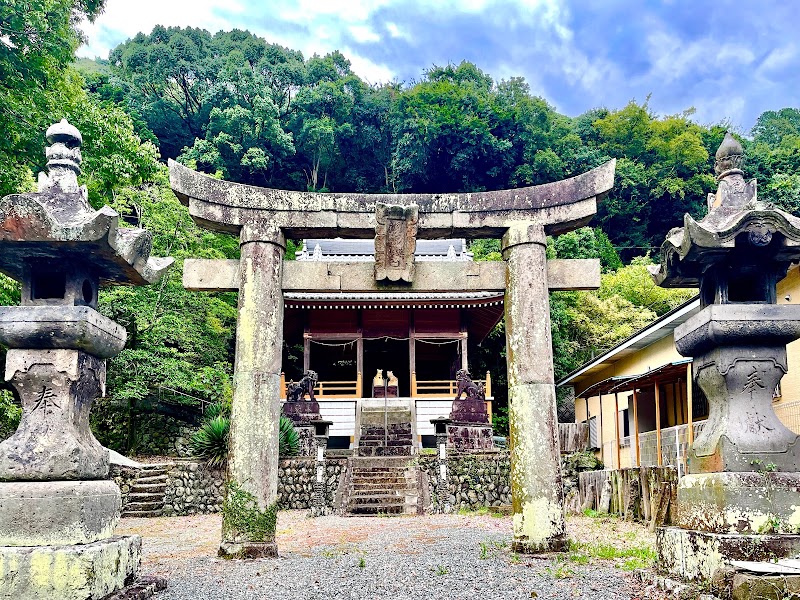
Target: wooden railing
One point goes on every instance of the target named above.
(326, 390)
(441, 387)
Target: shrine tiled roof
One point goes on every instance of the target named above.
(364, 250)
(393, 299)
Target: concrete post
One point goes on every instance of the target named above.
(248, 527)
(536, 487)
(318, 505)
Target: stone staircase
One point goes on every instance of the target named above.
(394, 440)
(383, 486)
(146, 496)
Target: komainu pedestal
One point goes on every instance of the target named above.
(469, 429)
(740, 500)
(58, 509)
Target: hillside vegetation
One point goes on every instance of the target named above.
(235, 106)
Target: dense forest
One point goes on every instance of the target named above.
(236, 106)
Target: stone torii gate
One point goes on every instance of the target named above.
(263, 218)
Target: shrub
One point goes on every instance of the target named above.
(289, 439)
(210, 442)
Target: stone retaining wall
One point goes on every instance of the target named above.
(161, 435)
(193, 488)
(480, 480)
(474, 481)
(296, 478)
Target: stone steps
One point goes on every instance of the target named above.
(152, 479)
(146, 496)
(381, 486)
(143, 514)
(368, 510)
(384, 451)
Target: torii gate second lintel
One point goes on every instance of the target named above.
(523, 217)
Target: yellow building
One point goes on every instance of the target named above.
(636, 399)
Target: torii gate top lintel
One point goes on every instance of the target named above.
(225, 206)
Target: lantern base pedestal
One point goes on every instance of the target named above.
(90, 571)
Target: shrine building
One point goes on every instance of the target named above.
(422, 337)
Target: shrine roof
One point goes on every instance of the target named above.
(395, 299)
(337, 249)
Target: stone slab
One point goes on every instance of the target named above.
(52, 513)
(747, 586)
(738, 324)
(470, 437)
(223, 205)
(67, 327)
(203, 275)
(740, 502)
(78, 572)
(696, 555)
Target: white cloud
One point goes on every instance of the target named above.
(779, 59)
(368, 70)
(363, 34)
(123, 19)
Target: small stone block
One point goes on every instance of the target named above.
(696, 555)
(78, 572)
(56, 513)
(248, 550)
(747, 586)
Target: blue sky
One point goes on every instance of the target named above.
(729, 60)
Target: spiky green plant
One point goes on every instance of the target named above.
(218, 409)
(289, 439)
(210, 442)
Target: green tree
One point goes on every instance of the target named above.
(39, 38)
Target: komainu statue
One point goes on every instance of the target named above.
(297, 392)
(472, 407)
(468, 387)
(302, 412)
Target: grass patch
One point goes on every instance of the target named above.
(638, 557)
(489, 548)
(559, 570)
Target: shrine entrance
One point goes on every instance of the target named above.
(263, 218)
(387, 354)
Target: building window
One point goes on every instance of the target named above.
(594, 436)
(624, 428)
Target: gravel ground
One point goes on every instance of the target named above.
(449, 557)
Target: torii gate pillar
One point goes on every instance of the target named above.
(536, 487)
(255, 410)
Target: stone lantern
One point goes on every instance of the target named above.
(58, 509)
(740, 498)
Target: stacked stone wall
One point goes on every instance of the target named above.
(474, 481)
(296, 477)
(194, 488)
(161, 435)
(482, 480)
